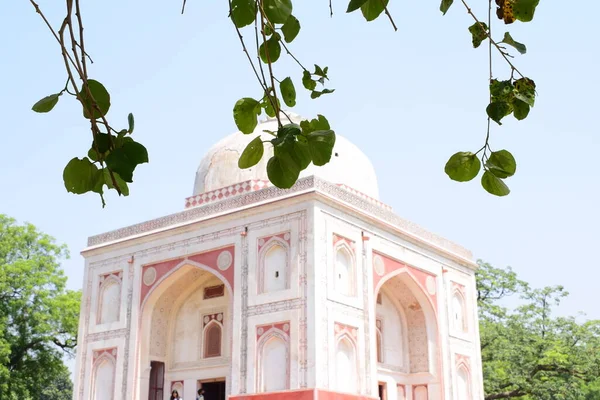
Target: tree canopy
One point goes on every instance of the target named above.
(527, 351)
(272, 27)
(38, 315)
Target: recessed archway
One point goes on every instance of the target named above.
(185, 326)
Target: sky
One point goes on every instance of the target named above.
(408, 99)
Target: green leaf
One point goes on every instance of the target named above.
(316, 94)
(101, 97)
(80, 176)
(372, 9)
(102, 142)
(124, 189)
(524, 10)
(267, 104)
(245, 114)
(46, 104)
(123, 160)
(290, 29)
(307, 81)
(463, 166)
(131, 122)
(272, 47)
(520, 109)
(288, 92)
(243, 12)
(283, 170)
(498, 110)
(478, 32)
(355, 5)
(277, 11)
(520, 47)
(502, 164)
(320, 145)
(500, 89)
(252, 153)
(525, 90)
(301, 152)
(494, 185)
(445, 5)
(318, 124)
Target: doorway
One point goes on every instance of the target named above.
(382, 391)
(214, 389)
(157, 381)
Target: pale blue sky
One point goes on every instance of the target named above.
(409, 99)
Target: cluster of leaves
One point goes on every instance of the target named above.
(38, 315)
(527, 352)
(295, 147)
(512, 96)
(112, 157)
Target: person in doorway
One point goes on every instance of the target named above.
(200, 394)
(175, 395)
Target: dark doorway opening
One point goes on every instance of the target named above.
(214, 390)
(382, 391)
(157, 381)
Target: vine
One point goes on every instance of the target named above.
(114, 155)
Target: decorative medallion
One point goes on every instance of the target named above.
(149, 276)
(261, 242)
(286, 237)
(430, 284)
(206, 319)
(220, 317)
(286, 327)
(378, 265)
(224, 260)
(260, 331)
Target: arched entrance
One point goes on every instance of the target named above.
(185, 333)
(406, 337)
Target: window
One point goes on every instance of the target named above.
(212, 340)
(344, 272)
(379, 345)
(275, 269)
(211, 292)
(458, 312)
(109, 301)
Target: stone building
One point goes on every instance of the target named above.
(253, 292)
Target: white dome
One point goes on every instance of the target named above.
(219, 167)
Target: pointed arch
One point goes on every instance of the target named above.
(463, 381)
(212, 340)
(273, 361)
(459, 311)
(274, 266)
(344, 270)
(421, 320)
(103, 375)
(109, 300)
(346, 365)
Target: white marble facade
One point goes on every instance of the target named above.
(320, 288)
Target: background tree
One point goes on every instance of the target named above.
(527, 352)
(38, 315)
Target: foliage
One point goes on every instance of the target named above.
(114, 155)
(38, 315)
(61, 388)
(527, 352)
